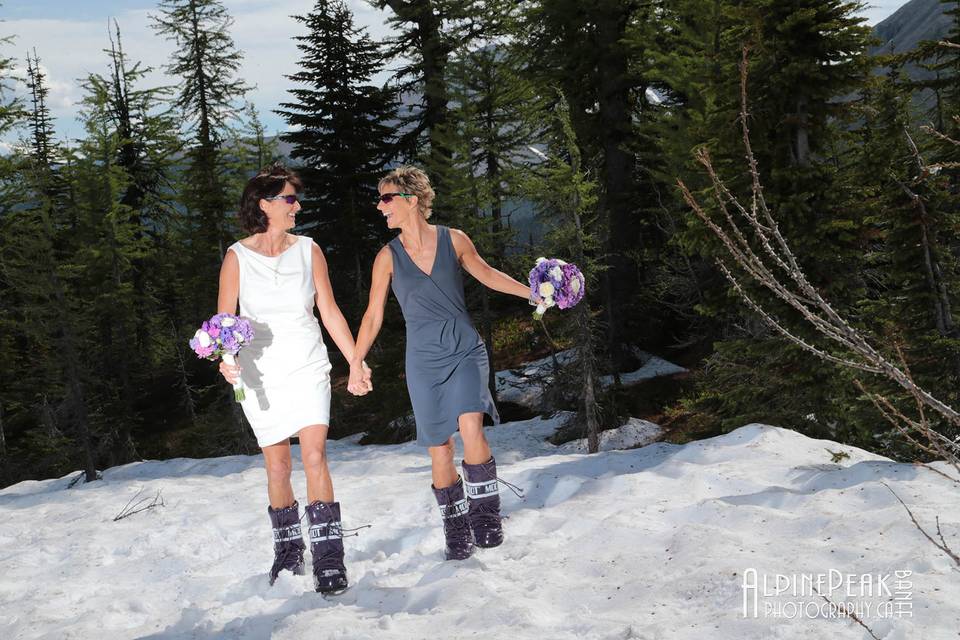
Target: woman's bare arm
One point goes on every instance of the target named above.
(477, 267)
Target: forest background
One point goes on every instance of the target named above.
(550, 128)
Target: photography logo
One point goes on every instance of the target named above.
(833, 594)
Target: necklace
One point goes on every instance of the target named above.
(275, 267)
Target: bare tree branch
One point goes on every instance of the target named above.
(136, 506)
(939, 545)
(846, 346)
(850, 613)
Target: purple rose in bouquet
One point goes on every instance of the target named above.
(222, 336)
(555, 282)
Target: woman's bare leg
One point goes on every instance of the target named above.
(276, 458)
(476, 450)
(313, 451)
(441, 459)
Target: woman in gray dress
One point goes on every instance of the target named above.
(446, 361)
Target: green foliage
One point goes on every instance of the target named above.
(206, 61)
(588, 113)
(341, 142)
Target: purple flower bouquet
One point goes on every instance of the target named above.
(555, 282)
(222, 336)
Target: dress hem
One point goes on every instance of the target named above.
(493, 413)
(292, 433)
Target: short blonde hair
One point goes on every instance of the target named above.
(414, 181)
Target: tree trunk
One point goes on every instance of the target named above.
(3, 437)
(802, 134)
(587, 362)
(943, 317)
(616, 125)
(184, 382)
(434, 52)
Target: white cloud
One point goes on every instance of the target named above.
(263, 32)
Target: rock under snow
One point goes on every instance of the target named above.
(634, 433)
(524, 385)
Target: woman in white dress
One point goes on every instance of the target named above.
(277, 278)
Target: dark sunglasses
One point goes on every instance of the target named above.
(387, 198)
(287, 199)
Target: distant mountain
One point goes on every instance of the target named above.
(912, 23)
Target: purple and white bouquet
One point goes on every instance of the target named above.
(222, 336)
(555, 282)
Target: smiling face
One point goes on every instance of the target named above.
(280, 215)
(399, 209)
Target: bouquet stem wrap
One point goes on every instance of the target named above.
(238, 393)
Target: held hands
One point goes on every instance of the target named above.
(361, 379)
(360, 384)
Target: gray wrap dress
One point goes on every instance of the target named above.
(446, 360)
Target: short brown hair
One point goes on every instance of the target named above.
(268, 182)
(412, 180)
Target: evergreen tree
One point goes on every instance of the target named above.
(207, 62)
(585, 51)
(107, 256)
(912, 269)
(804, 57)
(40, 267)
(944, 63)
(12, 362)
(567, 200)
(342, 139)
(429, 31)
(495, 114)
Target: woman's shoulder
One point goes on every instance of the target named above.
(458, 237)
(234, 249)
(246, 243)
(384, 258)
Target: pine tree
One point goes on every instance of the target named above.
(40, 268)
(341, 139)
(804, 57)
(567, 199)
(429, 32)
(495, 115)
(912, 267)
(585, 51)
(111, 247)
(207, 62)
(12, 363)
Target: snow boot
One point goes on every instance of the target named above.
(288, 543)
(456, 527)
(483, 496)
(326, 546)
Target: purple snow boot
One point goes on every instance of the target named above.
(483, 495)
(456, 528)
(287, 540)
(326, 546)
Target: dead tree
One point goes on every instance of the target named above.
(774, 266)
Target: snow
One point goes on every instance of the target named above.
(652, 368)
(648, 543)
(634, 433)
(525, 385)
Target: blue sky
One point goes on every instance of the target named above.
(69, 36)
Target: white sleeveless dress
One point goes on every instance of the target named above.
(285, 368)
